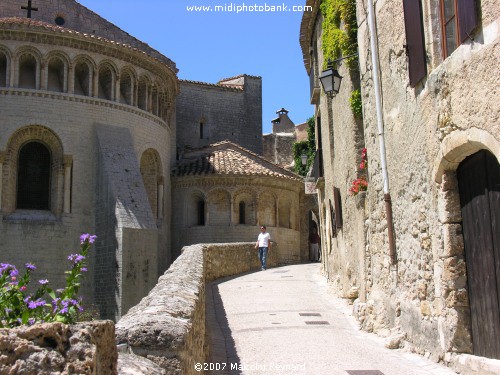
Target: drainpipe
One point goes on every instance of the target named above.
(380, 125)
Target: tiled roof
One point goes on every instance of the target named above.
(231, 87)
(227, 158)
(238, 76)
(8, 22)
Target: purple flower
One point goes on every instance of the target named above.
(75, 258)
(5, 267)
(87, 237)
(43, 282)
(34, 304)
(31, 321)
(30, 266)
(84, 269)
(7, 311)
(14, 272)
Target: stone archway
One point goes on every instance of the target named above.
(10, 166)
(450, 261)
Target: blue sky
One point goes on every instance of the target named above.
(208, 46)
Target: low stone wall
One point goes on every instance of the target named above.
(168, 326)
(56, 348)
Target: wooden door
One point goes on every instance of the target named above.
(479, 187)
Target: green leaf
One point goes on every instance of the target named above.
(25, 317)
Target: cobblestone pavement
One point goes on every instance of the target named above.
(286, 321)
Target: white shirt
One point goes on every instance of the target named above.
(264, 239)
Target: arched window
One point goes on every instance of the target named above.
(154, 102)
(82, 79)
(142, 94)
(56, 75)
(33, 177)
(3, 70)
(126, 88)
(27, 71)
(200, 205)
(105, 83)
(242, 212)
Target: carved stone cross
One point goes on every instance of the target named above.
(29, 8)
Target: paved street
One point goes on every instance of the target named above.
(285, 321)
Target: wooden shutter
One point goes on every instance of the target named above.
(415, 46)
(467, 18)
(338, 207)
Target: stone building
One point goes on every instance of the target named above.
(229, 110)
(278, 145)
(223, 192)
(439, 288)
(92, 124)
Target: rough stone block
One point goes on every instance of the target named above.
(453, 240)
(454, 272)
(56, 348)
(449, 207)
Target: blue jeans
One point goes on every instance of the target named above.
(263, 256)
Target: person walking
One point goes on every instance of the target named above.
(263, 244)
(314, 241)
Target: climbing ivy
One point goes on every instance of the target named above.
(356, 105)
(305, 147)
(338, 42)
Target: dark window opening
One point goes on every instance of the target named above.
(201, 212)
(60, 21)
(201, 130)
(33, 177)
(242, 212)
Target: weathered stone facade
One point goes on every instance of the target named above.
(96, 114)
(56, 348)
(429, 130)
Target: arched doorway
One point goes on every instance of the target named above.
(479, 188)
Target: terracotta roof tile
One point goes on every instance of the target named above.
(227, 158)
(231, 87)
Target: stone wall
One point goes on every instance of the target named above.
(168, 326)
(55, 348)
(266, 198)
(228, 111)
(47, 237)
(429, 130)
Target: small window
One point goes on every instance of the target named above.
(201, 130)
(60, 21)
(33, 177)
(201, 212)
(242, 213)
(458, 20)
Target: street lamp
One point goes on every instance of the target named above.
(330, 80)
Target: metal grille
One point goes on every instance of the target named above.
(317, 322)
(33, 177)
